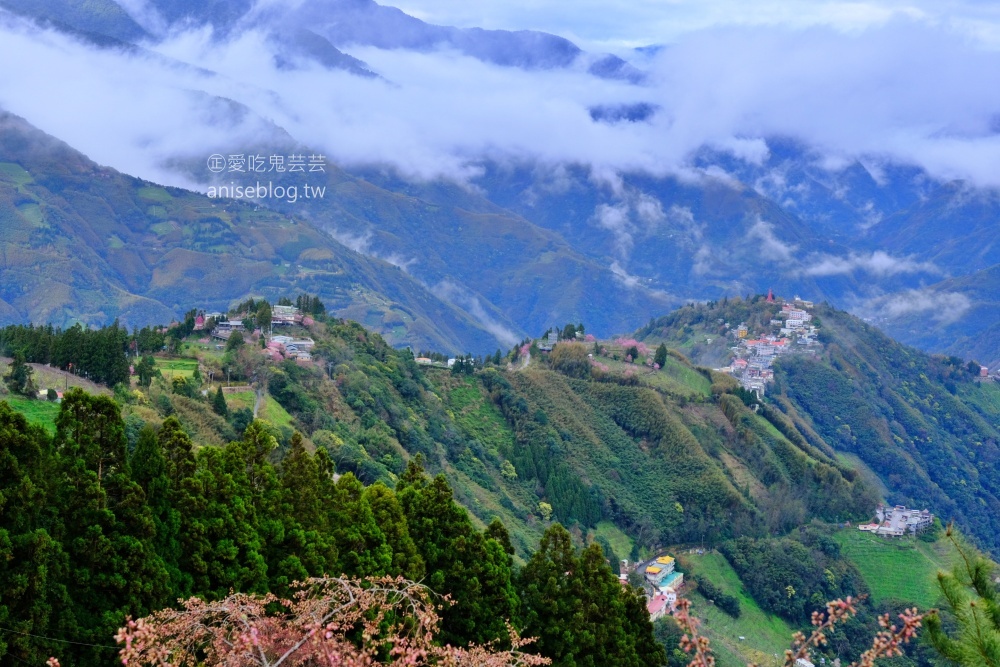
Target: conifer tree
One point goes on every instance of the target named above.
(149, 470)
(107, 529)
(219, 405)
(971, 597)
(580, 613)
(660, 358)
(497, 531)
(305, 547)
(361, 545)
(460, 560)
(20, 376)
(33, 565)
(226, 519)
(391, 520)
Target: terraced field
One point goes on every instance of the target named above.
(901, 569)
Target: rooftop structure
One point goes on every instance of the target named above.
(898, 521)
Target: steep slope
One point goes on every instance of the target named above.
(483, 258)
(94, 18)
(959, 316)
(954, 226)
(702, 236)
(919, 422)
(85, 243)
(657, 459)
(924, 426)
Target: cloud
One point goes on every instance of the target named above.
(616, 220)
(649, 209)
(942, 307)
(703, 259)
(458, 296)
(868, 81)
(624, 277)
(611, 24)
(878, 263)
(771, 247)
(634, 282)
(362, 244)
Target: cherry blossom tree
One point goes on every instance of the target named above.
(328, 621)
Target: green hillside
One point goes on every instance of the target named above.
(764, 635)
(902, 413)
(641, 457)
(923, 424)
(634, 456)
(899, 569)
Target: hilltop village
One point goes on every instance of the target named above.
(792, 331)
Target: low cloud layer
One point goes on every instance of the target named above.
(906, 88)
(460, 297)
(940, 307)
(771, 247)
(878, 263)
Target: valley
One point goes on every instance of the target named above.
(636, 456)
(499, 334)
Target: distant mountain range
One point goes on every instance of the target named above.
(80, 242)
(526, 244)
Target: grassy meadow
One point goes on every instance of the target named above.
(766, 635)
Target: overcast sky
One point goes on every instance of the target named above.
(912, 83)
(618, 26)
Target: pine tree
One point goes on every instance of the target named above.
(20, 376)
(661, 355)
(219, 405)
(460, 561)
(107, 529)
(33, 565)
(971, 597)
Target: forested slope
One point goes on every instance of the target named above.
(923, 424)
(927, 426)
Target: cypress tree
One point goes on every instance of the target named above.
(33, 565)
(550, 604)
(460, 561)
(361, 545)
(219, 405)
(306, 547)
(391, 520)
(149, 470)
(661, 355)
(580, 613)
(107, 528)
